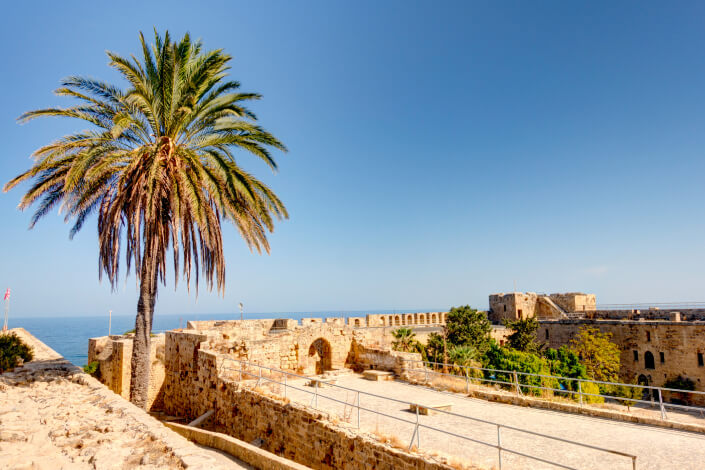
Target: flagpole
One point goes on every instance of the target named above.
(7, 309)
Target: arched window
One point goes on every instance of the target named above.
(649, 360)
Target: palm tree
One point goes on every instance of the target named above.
(463, 357)
(157, 166)
(404, 340)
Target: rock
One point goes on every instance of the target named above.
(12, 436)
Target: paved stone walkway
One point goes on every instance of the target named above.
(655, 448)
(54, 417)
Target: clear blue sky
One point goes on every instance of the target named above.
(439, 151)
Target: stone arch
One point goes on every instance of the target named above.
(422, 318)
(644, 381)
(410, 319)
(397, 321)
(649, 362)
(433, 318)
(445, 317)
(383, 322)
(322, 353)
(357, 322)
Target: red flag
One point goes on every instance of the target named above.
(7, 294)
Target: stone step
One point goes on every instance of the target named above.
(429, 409)
(378, 375)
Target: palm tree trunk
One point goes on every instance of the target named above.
(141, 345)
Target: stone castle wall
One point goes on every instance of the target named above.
(280, 343)
(523, 305)
(114, 356)
(198, 379)
(679, 344)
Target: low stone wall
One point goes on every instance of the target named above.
(114, 357)
(382, 359)
(305, 436)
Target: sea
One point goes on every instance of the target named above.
(69, 335)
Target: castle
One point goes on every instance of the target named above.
(656, 345)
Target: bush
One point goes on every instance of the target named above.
(681, 383)
(591, 387)
(92, 369)
(565, 363)
(12, 349)
(513, 360)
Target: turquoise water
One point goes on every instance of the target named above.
(69, 335)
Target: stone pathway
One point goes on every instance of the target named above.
(55, 417)
(656, 448)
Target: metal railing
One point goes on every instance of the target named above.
(491, 375)
(260, 378)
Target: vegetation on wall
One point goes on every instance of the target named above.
(13, 351)
(93, 369)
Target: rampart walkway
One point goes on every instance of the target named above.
(656, 448)
(55, 417)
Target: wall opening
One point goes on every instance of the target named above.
(422, 319)
(357, 322)
(397, 320)
(648, 336)
(546, 333)
(700, 360)
(649, 360)
(644, 381)
(636, 356)
(433, 318)
(662, 357)
(320, 350)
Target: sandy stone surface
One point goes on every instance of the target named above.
(655, 448)
(53, 416)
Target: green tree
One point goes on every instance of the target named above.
(523, 337)
(565, 363)
(435, 348)
(158, 168)
(598, 353)
(404, 340)
(512, 360)
(464, 357)
(466, 326)
(12, 349)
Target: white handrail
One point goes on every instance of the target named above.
(417, 425)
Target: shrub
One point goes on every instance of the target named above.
(12, 349)
(681, 383)
(513, 360)
(565, 363)
(92, 369)
(594, 389)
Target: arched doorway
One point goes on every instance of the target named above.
(644, 382)
(397, 321)
(422, 319)
(649, 362)
(433, 318)
(321, 352)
